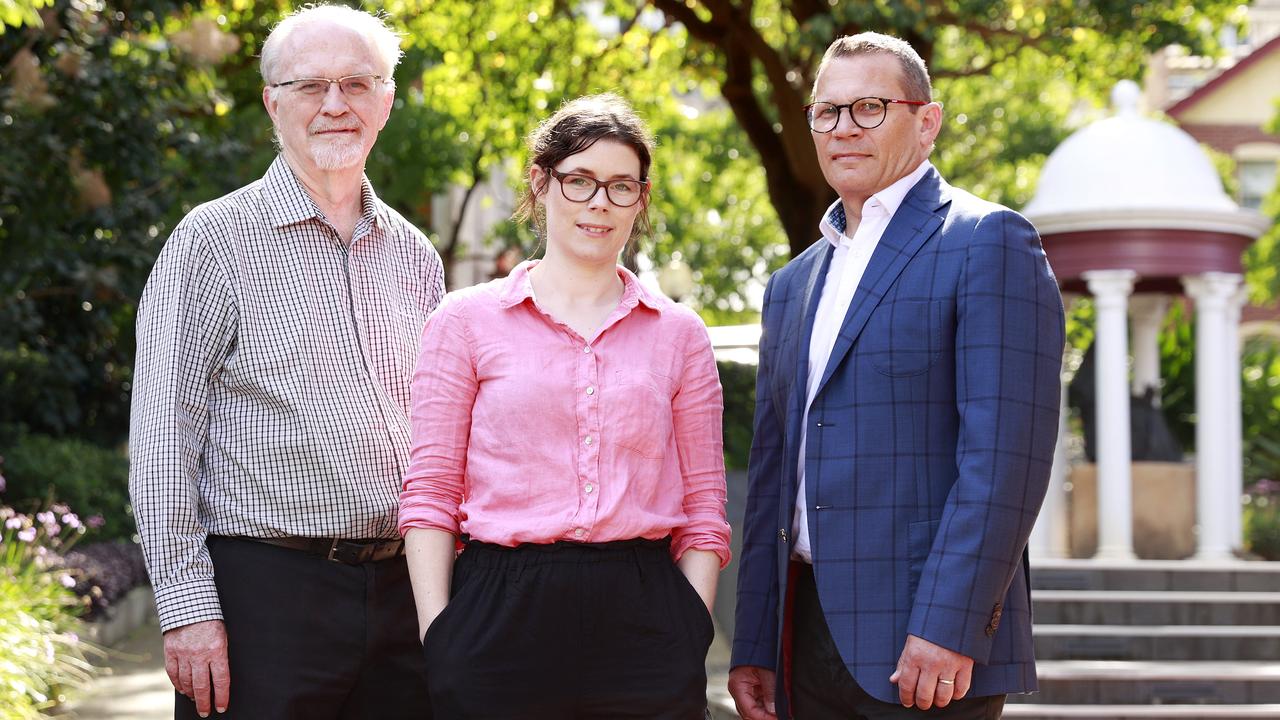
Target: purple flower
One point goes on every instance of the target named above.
(70, 520)
(45, 517)
(67, 581)
(14, 523)
(27, 535)
(3, 484)
(96, 521)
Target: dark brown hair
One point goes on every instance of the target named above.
(576, 126)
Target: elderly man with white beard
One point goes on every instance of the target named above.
(277, 336)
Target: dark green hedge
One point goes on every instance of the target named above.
(739, 383)
(88, 478)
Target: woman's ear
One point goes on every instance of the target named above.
(538, 179)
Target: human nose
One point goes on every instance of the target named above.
(599, 198)
(843, 127)
(335, 101)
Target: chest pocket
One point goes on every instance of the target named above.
(903, 337)
(639, 414)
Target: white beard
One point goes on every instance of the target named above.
(337, 154)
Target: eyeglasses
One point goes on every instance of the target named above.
(352, 86)
(867, 113)
(581, 188)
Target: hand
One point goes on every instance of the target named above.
(922, 665)
(752, 690)
(195, 658)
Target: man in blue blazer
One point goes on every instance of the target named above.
(906, 415)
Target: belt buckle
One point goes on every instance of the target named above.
(333, 551)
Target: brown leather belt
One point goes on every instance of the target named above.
(349, 552)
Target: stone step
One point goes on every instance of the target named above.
(1142, 607)
(1032, 711)
(1236, 575)
(1120, 682)
(1157, 642)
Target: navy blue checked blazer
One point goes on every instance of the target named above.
(929, 444)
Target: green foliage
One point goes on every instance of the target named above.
(1260, 400)
(92, 479)
(738, 380)
(1262, 522)
(41, 655)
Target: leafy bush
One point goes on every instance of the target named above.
(40, 654)
(739, 383)
(92, 479)
(1262, 520)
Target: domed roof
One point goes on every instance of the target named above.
(1128, 171)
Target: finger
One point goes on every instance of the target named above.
(925, 687)
(220, 672)
(964, 678)
(907, 679)
(201, 686)
(745, 696)
(770, 686)
(184, 678)
(171, 669)
(944, 693)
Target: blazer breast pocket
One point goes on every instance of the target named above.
(904, 337)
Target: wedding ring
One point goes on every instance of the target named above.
(946, 682)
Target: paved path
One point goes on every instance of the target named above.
(133, 685)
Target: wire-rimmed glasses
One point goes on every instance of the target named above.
(353, 86)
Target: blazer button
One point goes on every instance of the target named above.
(782, 534)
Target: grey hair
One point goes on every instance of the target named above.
(382, 40)
(915, 75)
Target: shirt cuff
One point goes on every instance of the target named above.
(187, 603)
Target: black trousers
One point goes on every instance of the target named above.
(313, 639)
(823, 689)
(569, 630)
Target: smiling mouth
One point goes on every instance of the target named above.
(336, 131)
(594, 230)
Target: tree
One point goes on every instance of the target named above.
(1007, 72)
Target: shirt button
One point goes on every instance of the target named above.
(588, 440)
(577, 532)
(588, 488)
(591, 391)
(586, 349)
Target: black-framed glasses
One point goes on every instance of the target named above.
(867, 113)
(351, 85)
(577, 187)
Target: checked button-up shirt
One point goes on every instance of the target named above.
(271, 385)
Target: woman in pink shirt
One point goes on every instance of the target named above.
(567, 430)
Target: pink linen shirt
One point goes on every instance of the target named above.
(525, 432)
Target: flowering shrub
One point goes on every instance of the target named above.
(106, 571)
(40, 653)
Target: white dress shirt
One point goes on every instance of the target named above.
(848, 263)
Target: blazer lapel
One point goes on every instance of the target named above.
(916, 220)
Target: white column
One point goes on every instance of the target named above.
(1049, 536)
(1147, 315)
(1111, 289)
(1217, 491)
(1235, 511)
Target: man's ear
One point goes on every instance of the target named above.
(930, 123)
(269, 102)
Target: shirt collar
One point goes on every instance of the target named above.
(517, 288)
(291, 203)
(834, 222)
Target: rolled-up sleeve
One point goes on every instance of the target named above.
(441, 400)
(697, 412)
